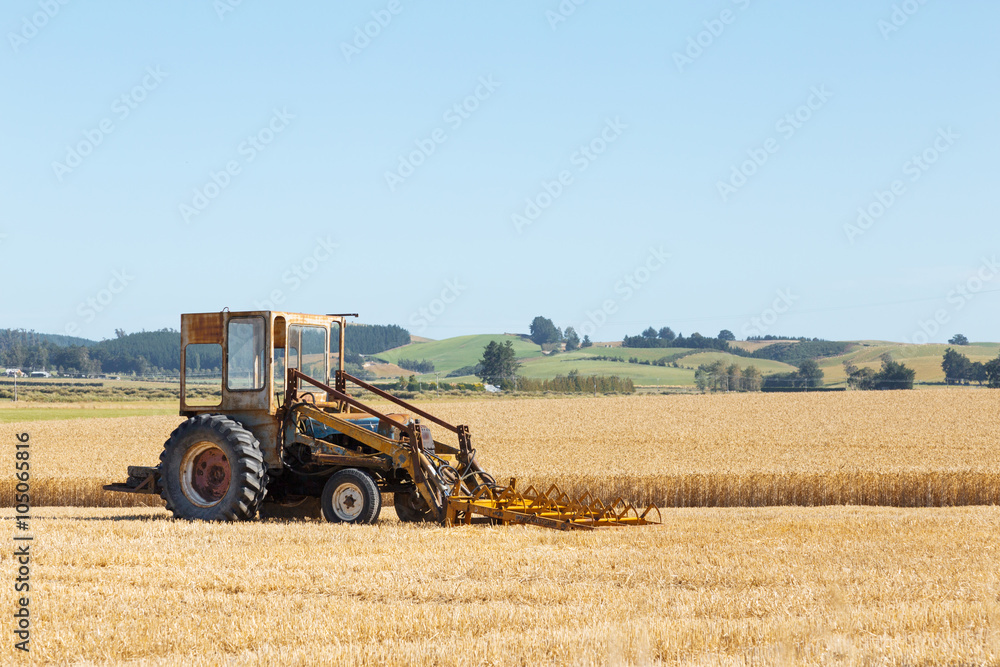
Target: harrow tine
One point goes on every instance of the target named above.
(629, 508)
(659, 517)
(483, 490)
(562, 499)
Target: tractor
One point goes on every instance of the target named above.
(271, 430)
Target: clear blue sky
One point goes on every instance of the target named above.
(101, 196)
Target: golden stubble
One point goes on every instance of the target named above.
(835, 585)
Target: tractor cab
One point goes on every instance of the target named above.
(239, 361)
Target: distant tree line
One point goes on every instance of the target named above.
(774, 337)
(127, 353)
(665, 337)
(375, 338)
(574, 383)
(154, 351)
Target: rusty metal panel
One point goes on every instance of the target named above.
(265, 428)
(201, 328)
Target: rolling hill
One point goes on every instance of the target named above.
(452, 354)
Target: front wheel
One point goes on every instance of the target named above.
(351, 496)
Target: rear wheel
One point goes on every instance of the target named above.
(351, 496)
(212, 469)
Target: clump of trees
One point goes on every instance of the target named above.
(808, 376)
(717, 376)
(465, 370)
(543, 331)
(796, 353)
(958, 369)
(422, 366)
(572, 339)
(499, 365)
(893, 375)
(413, 384)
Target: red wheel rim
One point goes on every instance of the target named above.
(205, 474)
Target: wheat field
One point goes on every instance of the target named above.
(733, 586)
(909, 449)
(748, 584)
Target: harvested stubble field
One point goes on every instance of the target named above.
(929, 448)
(834, 585)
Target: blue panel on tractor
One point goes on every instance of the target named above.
(370, 423)
(323, 432)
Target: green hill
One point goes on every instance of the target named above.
(451, 354)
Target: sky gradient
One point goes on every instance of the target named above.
(818, 169)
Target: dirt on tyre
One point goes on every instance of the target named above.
(212, 469)
(351, 496)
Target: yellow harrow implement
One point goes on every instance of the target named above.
(552, 509)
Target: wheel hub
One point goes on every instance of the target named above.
(348, 501)
(205, 474)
